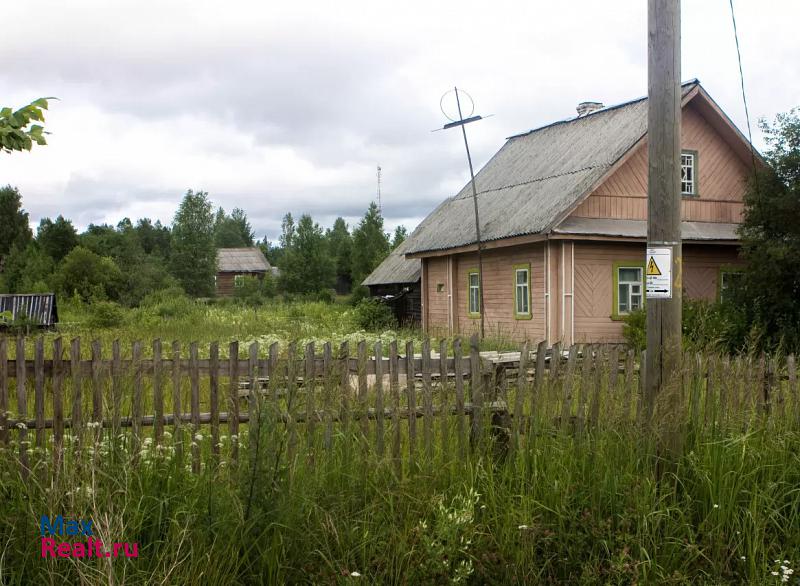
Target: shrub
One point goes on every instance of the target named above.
(168, 303)
(248, 291)
(105, 314)
(359, 293)
(326, 295)
(371, 314)
(634, 330)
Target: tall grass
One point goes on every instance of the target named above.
(603, 506)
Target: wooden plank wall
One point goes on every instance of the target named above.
(722, 178)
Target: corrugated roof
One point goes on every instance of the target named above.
(38, 307)
(638, 229)
(535, 177)
(395, 268)
(241, 260)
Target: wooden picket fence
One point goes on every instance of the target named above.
(461, 397)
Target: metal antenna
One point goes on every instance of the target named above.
(462, 122)
(380, 208)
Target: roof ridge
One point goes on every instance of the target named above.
(693, 81)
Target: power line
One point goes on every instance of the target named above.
(744, 95)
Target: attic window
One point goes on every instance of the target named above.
(689, 173)
(440, 287)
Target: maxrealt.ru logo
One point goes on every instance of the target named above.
(78, 529)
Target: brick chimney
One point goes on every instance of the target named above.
(585, 108)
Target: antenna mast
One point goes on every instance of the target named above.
(380, 208)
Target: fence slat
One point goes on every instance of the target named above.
(328, 385)
(362, 388)
(522, 381)
(177, 429)
(568, 387)
(427, 399)
(594, 409)
(476, 384)
(194, 381)
(394, 383)
(233, 400)
(97, 390)
(213, 398)
(138, 383)
(344, 405)
(38, 398)
(22, 407)
(379, 431)
(116, 389)
(444, 400)
(4, 432)
(630, 383)
(58, 402)
(253, 401)
(291, 390)
(791, 367)
(76, 415)
(310, 384)
(538, 382)
(411, 393)
(158, 394)
(461, 430)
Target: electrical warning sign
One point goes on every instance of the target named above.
(658, 273)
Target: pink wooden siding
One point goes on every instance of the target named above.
(721, 180)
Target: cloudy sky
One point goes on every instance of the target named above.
(289, 106)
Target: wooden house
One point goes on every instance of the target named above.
(396, 281)
(563, 212)
(235, 263)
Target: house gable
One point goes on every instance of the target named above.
(722, 174)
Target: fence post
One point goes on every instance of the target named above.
(379, 399)
(394, 383)
(311, 412)
(412, 402)
(253, 401)
(362, 391)
(194, 381)
(233, 400)
(458, 366)
(213, 399)
(522, 380)
(427, 399)
(791, 367)
(476, 382)
(536, 389)
(22, 407)
(97, 391)
(58, 403)
(568, 388)
(76, 415)
(137, 398)
(444, 400)
(158, 395)
(38, 373)
(327, 368)
(177, 410)
(4, 434)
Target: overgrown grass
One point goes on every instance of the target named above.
(591, 508)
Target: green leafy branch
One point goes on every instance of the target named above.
(17, 133)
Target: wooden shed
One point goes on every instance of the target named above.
(396, 282)
(563, 211)
(37, 308)
(235, 263)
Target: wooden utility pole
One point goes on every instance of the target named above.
(663, 197)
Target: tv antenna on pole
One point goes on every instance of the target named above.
(450, 114)
(380, 208)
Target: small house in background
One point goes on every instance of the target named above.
(35, 309)
(235, 263)
(396, 282)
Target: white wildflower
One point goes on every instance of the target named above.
(21, 425)
(355, 574)
(716, 506)
(522, 527)
(774, 573)
(743, 558)
(198, 437)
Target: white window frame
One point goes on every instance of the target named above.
(630, 286)
(237, 281)
(473, 293)
(522, 292)
(687, 169)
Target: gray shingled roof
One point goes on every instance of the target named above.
(535, 178)
(395, 268)
(638, 229)
(241, 260)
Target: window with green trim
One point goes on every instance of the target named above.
(522, 291)
(728, 278)
(628, 287)
(473, 293)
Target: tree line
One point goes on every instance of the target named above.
(126, 262)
